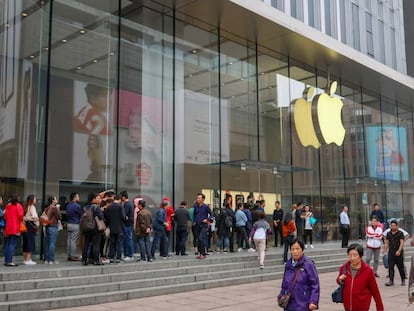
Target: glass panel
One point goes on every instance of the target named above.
(83, 75)
(197, 116)
(355, 26)
(24, 56)
(145, 119)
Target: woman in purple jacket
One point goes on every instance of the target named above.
(305, 291)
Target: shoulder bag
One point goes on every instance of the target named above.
(285, 299)
(100, 224)
(337, 293)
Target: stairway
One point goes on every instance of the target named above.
(70, 284)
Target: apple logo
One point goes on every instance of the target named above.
(302, 117)
(327, 118)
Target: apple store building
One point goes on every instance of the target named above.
(231, 98)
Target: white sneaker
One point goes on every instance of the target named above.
(240, 249)
(128, 258)
(306, 245)
(311, 246)
(251, 250)
(29, 262)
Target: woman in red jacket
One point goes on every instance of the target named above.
(13, 215)
(360, 284)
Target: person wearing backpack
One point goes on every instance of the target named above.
(92, 237)
(260, 230)
(224, 228)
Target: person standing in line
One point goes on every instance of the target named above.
(374, 239)
(289, 233)
(31, 220)
(411, 277)
(360, 285)
(394, 242)
(160, 236)
(143, 229)
(378, 213)
(307, 214)
(225, 221)
(169, 210)
(277, 224)
(115, 216)
(193, 229)
(92, 238)
(260, 230)
(306, 289)
(202, 215)
(128, 226)
(182, 218)
(344, 226)
(73, 213)
(300, 225)
(52, 230)
(13, 215)
(241, 220)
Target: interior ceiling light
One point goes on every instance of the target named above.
(7, 25)
(241, 79)
(262, 73)
(222, 84)
(82, 31)
(32, 56)
(64, 40)
(194, 51)
(45, 49)
(112, 53)
(95, 60)
(230, 63)
(79, 67)
(24, 14)
(42, 2)
(190, 75)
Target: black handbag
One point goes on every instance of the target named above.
(285, 299)
(337, 293)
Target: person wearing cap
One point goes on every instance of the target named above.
(182, 218)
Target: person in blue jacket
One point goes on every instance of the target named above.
(305, 291)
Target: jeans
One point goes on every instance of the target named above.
(160, 237)
(376, 252)
(50, 242)
(202, 238)
(73, 236)
(181, 239)
(145, 247)
(226, 242)
(128, 242)
(117, 239)
(286, 245)
(9, 248)
(242, 236)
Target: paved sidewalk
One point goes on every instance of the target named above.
(255, 296)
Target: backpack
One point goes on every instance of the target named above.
(87, 221)
(228, 221)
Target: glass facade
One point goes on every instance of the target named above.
(118, 94)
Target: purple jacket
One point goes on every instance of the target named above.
(307, 288)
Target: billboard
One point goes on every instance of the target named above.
(387, 152)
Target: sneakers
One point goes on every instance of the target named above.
(240, 249)
(128, 258)
(403, 283)
(201, 257)
(251, 250)
(311, 246)
(261, 266)
(107, 261)
(29, 262)
(377, 275)
(389, 283)
(306, 245)
(73, 258)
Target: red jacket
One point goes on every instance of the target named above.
(358, 291)
(13, 214)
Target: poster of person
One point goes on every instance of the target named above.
(92, 132)
(387, 152)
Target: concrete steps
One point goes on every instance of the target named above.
(70, 284)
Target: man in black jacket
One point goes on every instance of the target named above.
(115, 217)
(277, 223)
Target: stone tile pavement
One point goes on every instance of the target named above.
(260, 296)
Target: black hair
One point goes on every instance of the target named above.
(141, 203)
(183, 203)
(357, 247)
(91, 196)
(394, 222)
(118, 197)
(124, 194)
(288, 217)
(202, 195)
(300, 242)
(14, 199)
(73, 195)
(50, 199)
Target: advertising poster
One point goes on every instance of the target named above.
(387, 152)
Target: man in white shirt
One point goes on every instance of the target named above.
(344, 226)
(374, 238)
